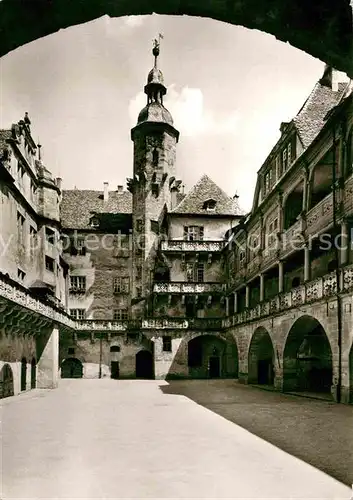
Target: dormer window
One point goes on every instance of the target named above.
(94, 222)
(210, 205)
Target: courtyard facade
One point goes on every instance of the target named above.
(149, 282)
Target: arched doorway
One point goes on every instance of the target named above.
(307, 359)
(33, 373)
(114, 362)
(261, 358)
(6, 382)
(144, 364)
(71, 368)
(23, 374)
(212, 357)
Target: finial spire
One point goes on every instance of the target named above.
(156, 47)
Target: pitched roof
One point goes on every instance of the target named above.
(79, 206)
(311, 117)
(205, 189)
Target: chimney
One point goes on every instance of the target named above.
(120, 189)
(105, 193)
(59, 182)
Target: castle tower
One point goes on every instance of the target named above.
(153, 181)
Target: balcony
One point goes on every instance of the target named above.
(185, 287)
(150, 324)
(191, 246)
(12, 291)
(253, 265)
(320, 216)
(104, 325)
(312, 291)
(292, 238)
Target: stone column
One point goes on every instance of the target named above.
(344, 243)
(280, 277)
(262, 287)
(235, 302)
(48, 362)
(247, 296)
(306, 263)
(305, 193)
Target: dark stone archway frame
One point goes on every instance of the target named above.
(322, 29)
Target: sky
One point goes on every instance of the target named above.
(229, 89)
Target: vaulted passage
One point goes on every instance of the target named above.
(144, 364)
(6, 382)
(261, 358)
(302, 23)
(212, 357)
(307, 363)
(71, 368)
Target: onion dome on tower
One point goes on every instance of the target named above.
(155, 89)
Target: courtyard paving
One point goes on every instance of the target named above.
(95, 439)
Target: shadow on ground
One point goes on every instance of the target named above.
(318, 432)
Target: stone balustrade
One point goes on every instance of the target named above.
(320, 216)
(292, 238)
(191, 246)
(151, 324)
(185, 287)
(17, 294)
(311, 291)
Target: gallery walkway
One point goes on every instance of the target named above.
(131, 439)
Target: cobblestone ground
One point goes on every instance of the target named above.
(316, 431)
(100, 439)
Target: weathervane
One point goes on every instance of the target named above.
(156, 46)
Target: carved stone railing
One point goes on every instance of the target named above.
(253, 265)
(103, 325)
(292, 239)
(348, 197)
(320, 216)
(311, 291)
(151, 324)
(14, 292)
(191, 246)
(185, 287)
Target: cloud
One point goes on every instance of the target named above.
(189, 113)
(134, 21)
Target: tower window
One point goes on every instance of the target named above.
(115, 348)
(155, 157)
(49, 264)
(120, 315)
